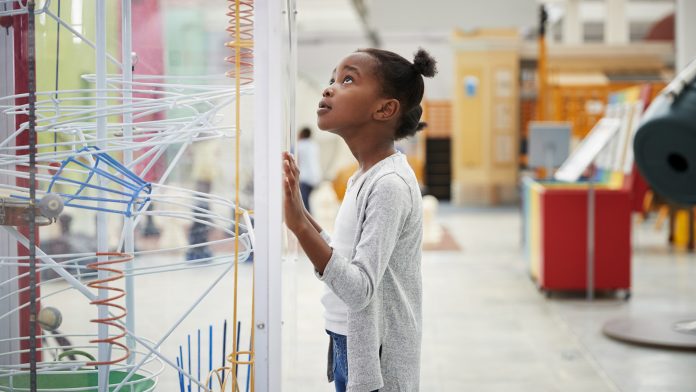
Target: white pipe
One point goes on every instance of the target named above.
(683, 79)
(80, 36)
(128, 227)
(103, 353)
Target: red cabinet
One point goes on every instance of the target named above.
(556, 236)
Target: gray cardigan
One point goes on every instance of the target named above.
(381, 283)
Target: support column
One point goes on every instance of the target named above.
(685, 31)
(20, 27)
(616, 23)
(9, 325)
(572, 25)
(104, 349)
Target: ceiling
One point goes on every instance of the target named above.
(338, 19)
(329, 29)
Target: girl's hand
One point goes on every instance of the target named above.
(295, 217)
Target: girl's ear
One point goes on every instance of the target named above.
(387, 110)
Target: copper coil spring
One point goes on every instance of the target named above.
(227, 375)
(243, 21)
(116, 274)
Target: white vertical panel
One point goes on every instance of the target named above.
(616, 23)
(572, 24)
(9, 326)
(269, 65)
(685, 33)
(289, 311)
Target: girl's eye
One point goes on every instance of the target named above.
(348, 79)
(331, 81)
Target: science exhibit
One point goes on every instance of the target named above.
(115, 122)
(144, 189)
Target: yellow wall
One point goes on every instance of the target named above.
(485, 137)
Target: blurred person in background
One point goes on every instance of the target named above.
(308, 162)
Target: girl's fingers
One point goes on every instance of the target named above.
(287, 169)
(290, 174)
(292, 163)
(288, 157)
(295, 169)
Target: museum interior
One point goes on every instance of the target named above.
(145, 239)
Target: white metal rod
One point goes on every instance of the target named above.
(590, 239)
(128, 227)
(80, 36)
(103, 353)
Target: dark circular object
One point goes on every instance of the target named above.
(677, 162)
(665, 150)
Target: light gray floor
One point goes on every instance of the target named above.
(486, 327)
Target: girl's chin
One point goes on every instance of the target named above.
(323, 125)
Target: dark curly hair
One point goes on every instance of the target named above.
(403, 81)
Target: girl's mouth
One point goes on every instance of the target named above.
(323, 108)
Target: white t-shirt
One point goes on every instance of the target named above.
(345, 229)
(308, 162)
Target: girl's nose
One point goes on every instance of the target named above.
(327, 92)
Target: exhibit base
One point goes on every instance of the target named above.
(670, 332)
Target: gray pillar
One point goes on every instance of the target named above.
(685, 33)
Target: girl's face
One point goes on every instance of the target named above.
(352, 95)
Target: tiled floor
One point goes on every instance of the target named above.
(486, 327)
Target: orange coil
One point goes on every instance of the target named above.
(241, 28)
(117, 258)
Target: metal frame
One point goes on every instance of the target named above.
(268, 143)
(9, 327)
(273, 115)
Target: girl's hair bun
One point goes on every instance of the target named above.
(424, 63)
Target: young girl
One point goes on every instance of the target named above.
(372, 265)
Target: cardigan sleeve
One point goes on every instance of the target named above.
(384, 213)
(327, 238)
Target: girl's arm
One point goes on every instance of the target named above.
(314, 245)
(313, 222)
(324, 235)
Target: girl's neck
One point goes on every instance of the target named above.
(370, 152)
